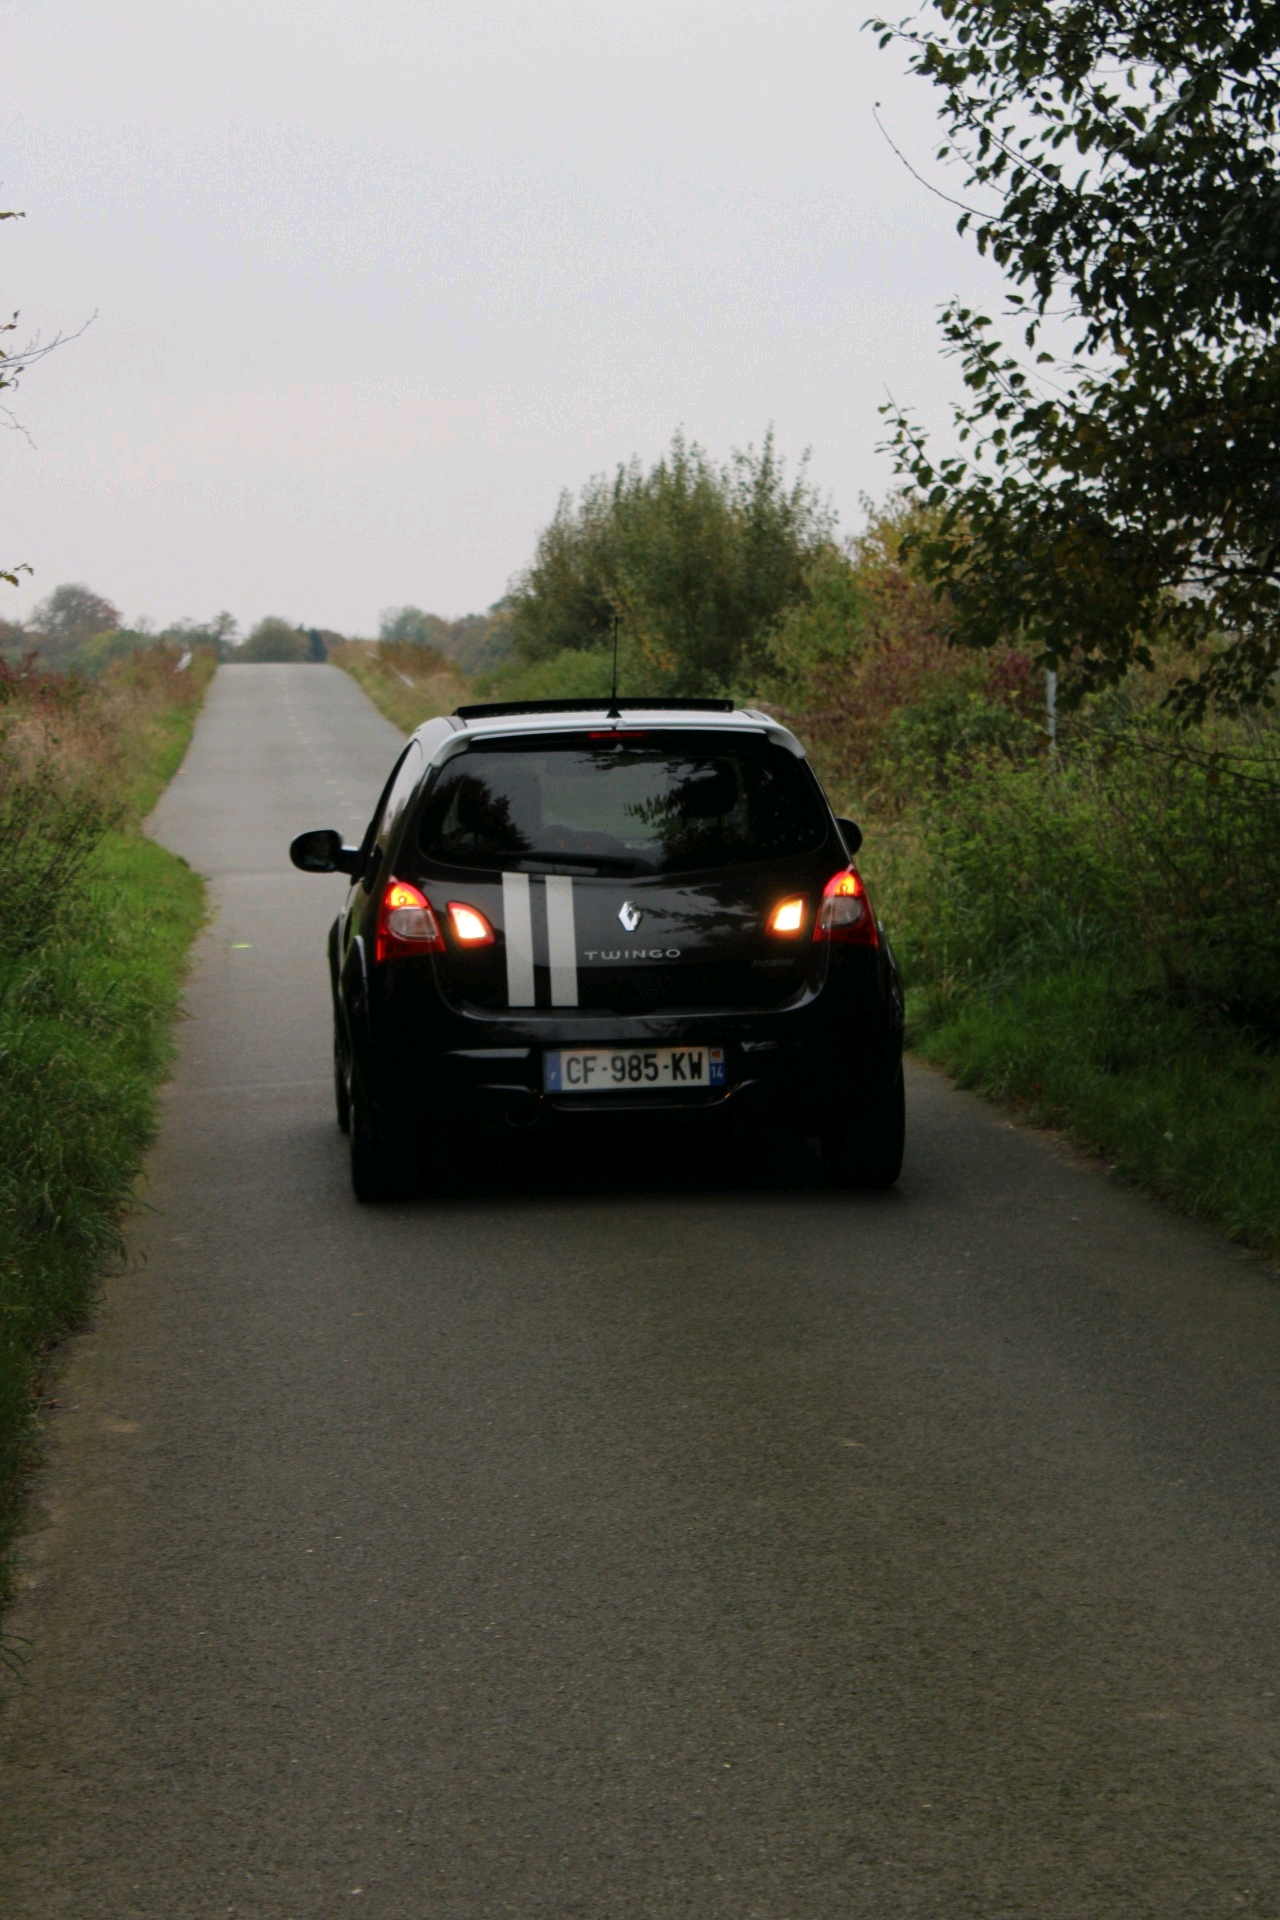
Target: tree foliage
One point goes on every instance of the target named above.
(410, 626)
(64, 624)
(221, 633)
(276, 640)
(696, 561)
(1125, 493)
(479, 642)
(863, 669)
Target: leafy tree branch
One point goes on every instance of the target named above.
(1124, 495)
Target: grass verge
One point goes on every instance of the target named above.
(89, 986)
(408, 683)
(1094, 939)
(1188, 1110)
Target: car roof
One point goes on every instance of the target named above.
(524, 717)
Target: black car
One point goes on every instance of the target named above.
(564, 912)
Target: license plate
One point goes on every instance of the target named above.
(615, 1069)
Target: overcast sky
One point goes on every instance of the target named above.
(374, 282)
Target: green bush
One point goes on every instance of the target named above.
(48, 831)
(1096, 935)
(95, 655)
(860, 665)
(68, 621)
(1093, 933)
(275, 640)
(84, 1034)
(575, 674)
(697, 561)
(1133, 842)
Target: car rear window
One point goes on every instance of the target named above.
(629, 803)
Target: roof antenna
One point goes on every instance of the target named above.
(614, 713)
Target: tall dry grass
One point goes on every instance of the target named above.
(408, 683)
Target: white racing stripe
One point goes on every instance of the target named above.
(562, 941)
(518, 928)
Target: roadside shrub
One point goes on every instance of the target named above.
(408, 682)
(574, 674)
(47, 832)
(698, 561)
(862, 667)
(104, 649)
(412, 658)
(275, 640)
(1092, 933)
(411, 627)
(1135, 846)
(67, 621)
(95, 926)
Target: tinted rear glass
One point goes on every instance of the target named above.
(655, 803)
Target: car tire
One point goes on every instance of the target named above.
(864, 1147)
(341, 1091)
(385, 1164)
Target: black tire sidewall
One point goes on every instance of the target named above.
(864, 1145)
(341, 1090)
(386, 1164)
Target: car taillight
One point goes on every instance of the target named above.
(788, 915)
(470, 927)
(845, 913)
(406, 924)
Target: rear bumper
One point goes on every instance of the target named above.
(435, 1066)
(499, 1090)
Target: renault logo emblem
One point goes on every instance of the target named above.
(630, 916)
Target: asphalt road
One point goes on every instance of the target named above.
(640, 1540)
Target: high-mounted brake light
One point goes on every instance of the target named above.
(406, 924)
(470, 927)
(845, 914)
(788, 915)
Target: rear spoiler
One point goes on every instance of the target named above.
(498, 709)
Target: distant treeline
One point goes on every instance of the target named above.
(78, 630)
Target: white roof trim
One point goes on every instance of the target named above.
(645, 720)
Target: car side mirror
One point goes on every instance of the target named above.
(322, 851)
(851, 833)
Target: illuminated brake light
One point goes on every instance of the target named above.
(845, 914)
(406, 924)
(788, 916)
(470, 927)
